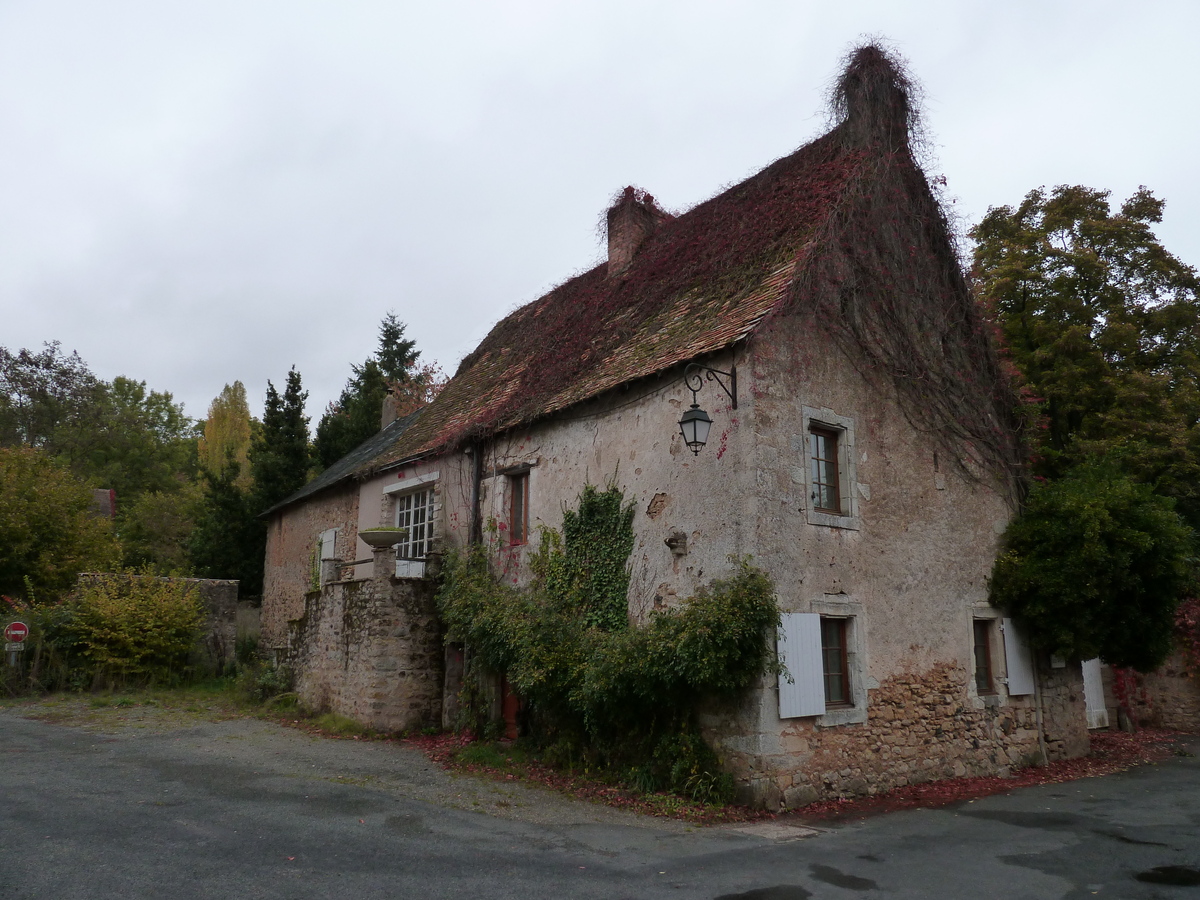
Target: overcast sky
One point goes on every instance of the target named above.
(197, 192)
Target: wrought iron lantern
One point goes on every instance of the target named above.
(695, 423)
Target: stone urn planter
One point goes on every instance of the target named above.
(378, 538)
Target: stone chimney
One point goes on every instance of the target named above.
(631, 220)
(390, 410)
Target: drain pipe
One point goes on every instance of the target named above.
(476, 451)
(1037, 705)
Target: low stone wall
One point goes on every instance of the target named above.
(1168, 697)
(919, 728)
(371, 650)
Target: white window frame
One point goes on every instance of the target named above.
(847, 458)
(408, 563)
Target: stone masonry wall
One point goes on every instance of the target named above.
(371, 650)
(919, 728)
(291, 537)
(1168, 697)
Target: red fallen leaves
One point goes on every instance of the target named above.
(1112, 751)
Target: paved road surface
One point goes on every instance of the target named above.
(245, 809)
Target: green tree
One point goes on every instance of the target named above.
(279, 455)
(1095, 565)
(43, 393)
(156, 529)
(48, 533)
(140, 441)
(226, 541)
(356, 414)
(1103, 324)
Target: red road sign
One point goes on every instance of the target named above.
(16, 632)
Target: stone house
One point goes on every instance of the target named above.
(861, 451)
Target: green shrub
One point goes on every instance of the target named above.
(115, 630)
(137, 627)
(260, 680)
(1095, 566)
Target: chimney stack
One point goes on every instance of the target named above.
(390, 410)
(631, 220)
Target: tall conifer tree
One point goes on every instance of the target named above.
(279, 456)
(356, 414)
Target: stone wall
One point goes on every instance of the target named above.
(918, 728)
(371, 650)
(1168, 697)
(292, 534)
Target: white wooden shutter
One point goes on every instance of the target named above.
(1018, 660)
(1093, 694)
(328, 538)
(800, 653)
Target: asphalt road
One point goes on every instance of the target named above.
(245, 809)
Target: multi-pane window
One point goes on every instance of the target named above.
(414, 511)
(518, 508)
(823, 453)
(834, 662)
(982, 637)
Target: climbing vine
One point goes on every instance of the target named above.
(598, 692)
(1187, 627)
(586, 564)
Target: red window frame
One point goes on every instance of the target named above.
(518, 508)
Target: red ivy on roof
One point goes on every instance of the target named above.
(699, 283)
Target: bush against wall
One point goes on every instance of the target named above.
(1095, 565)
(117, 629)
(618, 698)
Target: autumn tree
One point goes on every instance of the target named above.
(227, 433)
(356, 414)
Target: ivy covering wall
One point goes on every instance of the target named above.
(599, 692)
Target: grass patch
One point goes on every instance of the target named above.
(339, 726)
(494, 755)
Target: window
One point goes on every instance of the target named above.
(823, 458)
(826, 669)
(414, 511)
(518, 508)
(829, 474)
(834, 664)
(982, 638)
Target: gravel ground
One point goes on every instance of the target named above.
(274, 750)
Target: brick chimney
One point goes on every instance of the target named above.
(631, 220)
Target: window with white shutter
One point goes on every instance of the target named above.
(800, 653)
(1019, 661)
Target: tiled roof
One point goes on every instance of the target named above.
(701, 282)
